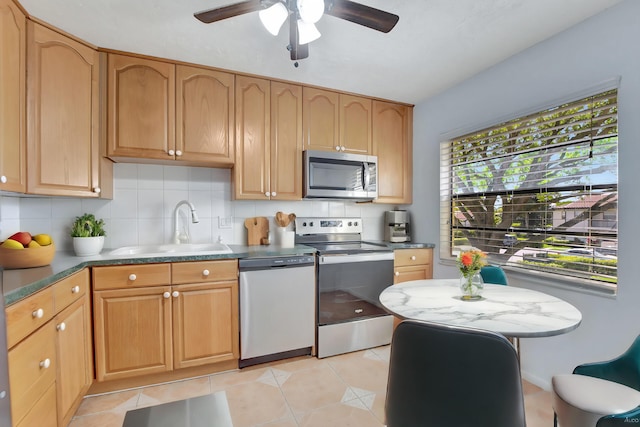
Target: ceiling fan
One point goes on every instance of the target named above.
(302, 14)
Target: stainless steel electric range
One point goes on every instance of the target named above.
(350, 275)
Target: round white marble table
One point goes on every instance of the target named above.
(510, 311)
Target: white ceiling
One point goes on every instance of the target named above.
(435, 45)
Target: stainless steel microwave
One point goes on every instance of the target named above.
(329, 175)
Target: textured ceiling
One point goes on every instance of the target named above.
(435, 45)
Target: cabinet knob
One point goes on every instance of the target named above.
(97, 190)
(61, 327)
(267, 193)
(3, 179)
(132, 277)
(38, 314)
(75, 289)
(178, 153)
(397, 273)
(337, 148)
(166, 295)
(205, 273)
(175, 294)
(343, 148)
(273, 194)
(413, 258)
(45, 363)
(171, 152)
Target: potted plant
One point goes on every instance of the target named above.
(88, 235)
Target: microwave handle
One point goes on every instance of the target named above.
(366, 176)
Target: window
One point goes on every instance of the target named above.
(538, 192)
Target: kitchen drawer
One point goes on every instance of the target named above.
(407, 257)
(28, 315)
(32, 369)
(70, 289)
(204, 271)
(43, 413)
(131, 276)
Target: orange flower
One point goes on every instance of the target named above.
(466, 259)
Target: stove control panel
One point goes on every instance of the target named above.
(315, 225)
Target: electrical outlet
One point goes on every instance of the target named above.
(225, 222)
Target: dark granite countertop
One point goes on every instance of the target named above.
(19, 284)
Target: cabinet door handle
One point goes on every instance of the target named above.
(171, 152)
(132, 277)
(397, 273)
(97, 190)
(413, 258)
(75, 289)
(178, 153)
(45, 363)
(205, 273)
(61, 327)
(38, 314)
(273, 194)
(337, 148)
(3, 179)
(166, 295)
(266, 194)
(343, 148)
(175, 294)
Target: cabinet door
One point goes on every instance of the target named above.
(74, 356)
(252, 168)
(393, 144)
(205, 323)
(355, 124)
(321, 115)
(416, 272)
(286, 141)
(132, 330)
(204, 116)
(63, 115)
(141, 108)
(42, 413)
(13, 73)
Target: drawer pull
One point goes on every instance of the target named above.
(205, 273)
(45, 363)
(175, 294)
(75, 289)
(413, 258)
(166, 295)
(397, 273)
(61, 327)
(132, 277)
(38, 314)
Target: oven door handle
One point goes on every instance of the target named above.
(351, 258)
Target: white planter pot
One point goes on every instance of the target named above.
(88, 246)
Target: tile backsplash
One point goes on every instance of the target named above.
(142, 208)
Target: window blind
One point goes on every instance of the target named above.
(538, 192)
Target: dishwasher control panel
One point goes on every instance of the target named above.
(275, 262)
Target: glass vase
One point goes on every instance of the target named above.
(471, 286)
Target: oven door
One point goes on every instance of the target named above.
(349, 286)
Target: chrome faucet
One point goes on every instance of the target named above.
(178, 236)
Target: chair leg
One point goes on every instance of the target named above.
(555, 419)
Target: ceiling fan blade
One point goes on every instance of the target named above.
(298, 51)
(220, 13)
(363, 15)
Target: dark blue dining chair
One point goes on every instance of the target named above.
(600, 394)
(493, 274)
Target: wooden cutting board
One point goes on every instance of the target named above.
(257, 230)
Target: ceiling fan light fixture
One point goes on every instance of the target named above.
(307, 32)
(310, 10)
(273, 17)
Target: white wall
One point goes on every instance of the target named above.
(141, 211)
(599, 49)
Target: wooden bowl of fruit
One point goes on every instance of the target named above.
(22, 250)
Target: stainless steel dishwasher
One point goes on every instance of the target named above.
(277, 308)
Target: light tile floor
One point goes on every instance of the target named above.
(344, 390)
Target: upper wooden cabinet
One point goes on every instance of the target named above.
(13, 38)
(204, 115)
(268, 140)
(161, 111)
(336, 122)
(62, 115)
(393, 143)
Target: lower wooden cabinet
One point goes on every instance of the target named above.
(412, 264)
(190, 321)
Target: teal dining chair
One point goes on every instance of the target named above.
(600, 394)
(493, 274)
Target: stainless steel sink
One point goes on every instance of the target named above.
(173, 249)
